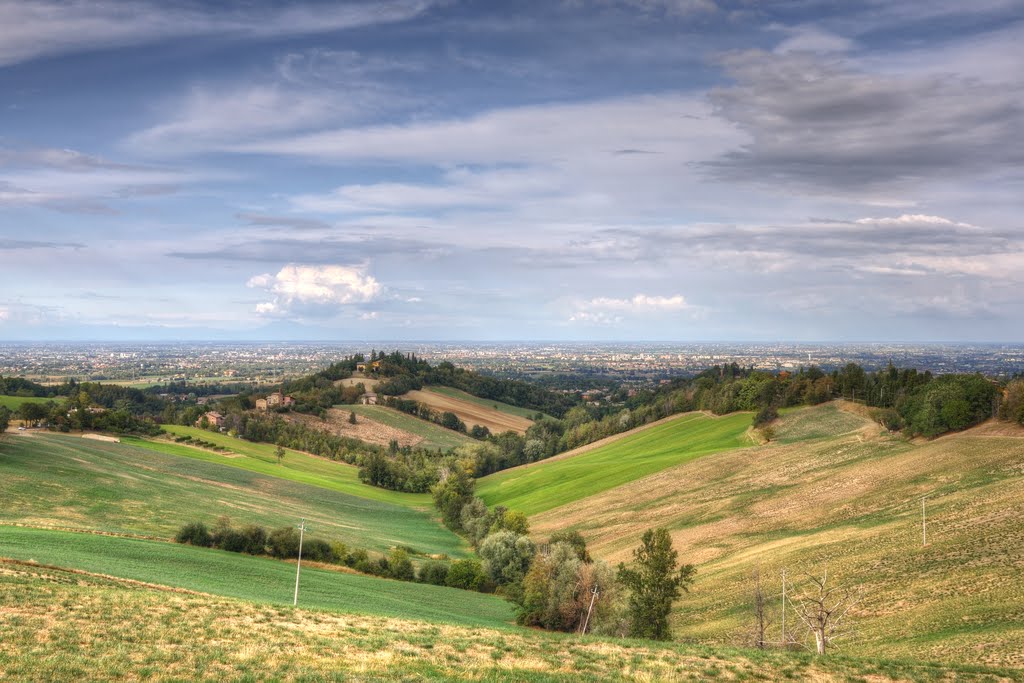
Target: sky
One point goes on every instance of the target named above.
(562, 169)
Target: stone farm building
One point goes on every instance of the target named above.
(213, 418)
(274, 400)
(368, 399)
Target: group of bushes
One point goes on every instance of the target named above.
(283, 543)
(192, 441)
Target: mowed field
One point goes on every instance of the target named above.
(470, 412)
(546, 485)
(59, 625)
(297, 466)
(424, 434)
(451, 392)
(64, 481)
(258, 579)
(849, 501)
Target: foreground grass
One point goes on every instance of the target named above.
(297, 466)
(434, 436)
(547, 485)
(258, 579)
(62, 626)
(451, 392)
(64, 481)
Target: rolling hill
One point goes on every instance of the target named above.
(471, 410)
(65, 481)
(550, 484)
(837, 491)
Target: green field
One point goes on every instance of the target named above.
(451, 392)
(60, 626)
(547, 485)
(14, 402)
(258, 579)
(817, 422)
(297, 466)
(434, 436)
(65, 481)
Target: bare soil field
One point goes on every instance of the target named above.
(364, 429)
(471, 413)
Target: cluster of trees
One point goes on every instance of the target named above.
(412, 471)
(1011, 408)
(558, 585)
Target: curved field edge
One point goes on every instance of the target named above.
(433, 436)
(62, 626)
(296, 466)
(452, 392)
(257, 579)
(66, 482)
(551, 484)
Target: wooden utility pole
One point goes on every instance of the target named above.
(784, 639)
(298, 565)
(593, 597)
(924, 523)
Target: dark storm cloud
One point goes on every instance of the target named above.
(821, 123)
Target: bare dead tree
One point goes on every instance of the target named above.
(824, 608)
(761, 618)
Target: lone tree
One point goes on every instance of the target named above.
(5, 418)
(279, 452)
(654, 583)
(352, 417)
(823, 608)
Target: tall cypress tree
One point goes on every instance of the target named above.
(655, 581)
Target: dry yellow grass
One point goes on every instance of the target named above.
(59, 625)
(852, 501)
(471, 413)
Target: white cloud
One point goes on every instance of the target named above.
(914, 220)
(52, 28)
(314, 290)
(806, 38)
(611, 311)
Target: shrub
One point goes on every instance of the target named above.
(467, 574)
(434, 573)
(284, 542)
(195, 533)
(400, 566)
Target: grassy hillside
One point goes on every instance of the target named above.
(851, 502)
(546, 485)
(62, 626)
(258, 579)
(433, 436)
(471, 412)
(14, 402)
(65, 481)
(485, 402)
(297, 466)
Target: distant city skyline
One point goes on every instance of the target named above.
(583, 170)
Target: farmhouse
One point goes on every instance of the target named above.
(374, 366)
(368, 399)
(274, 400)
(213, 418)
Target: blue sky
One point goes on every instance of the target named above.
(419, 169)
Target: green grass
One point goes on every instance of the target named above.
(817, 422)
(548, 485)
(451, 392)
(14, 402)
(64, 481)
(59, 625)
(297, 466)
(434, 436)
(257, 579)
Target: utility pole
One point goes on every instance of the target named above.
(784, 639)
(593, 597)
(298, 565)
(924, 523)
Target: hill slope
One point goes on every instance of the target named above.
(851, 501)
(472, 412)
(56, 480)
(118, 630)
(549, 484)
